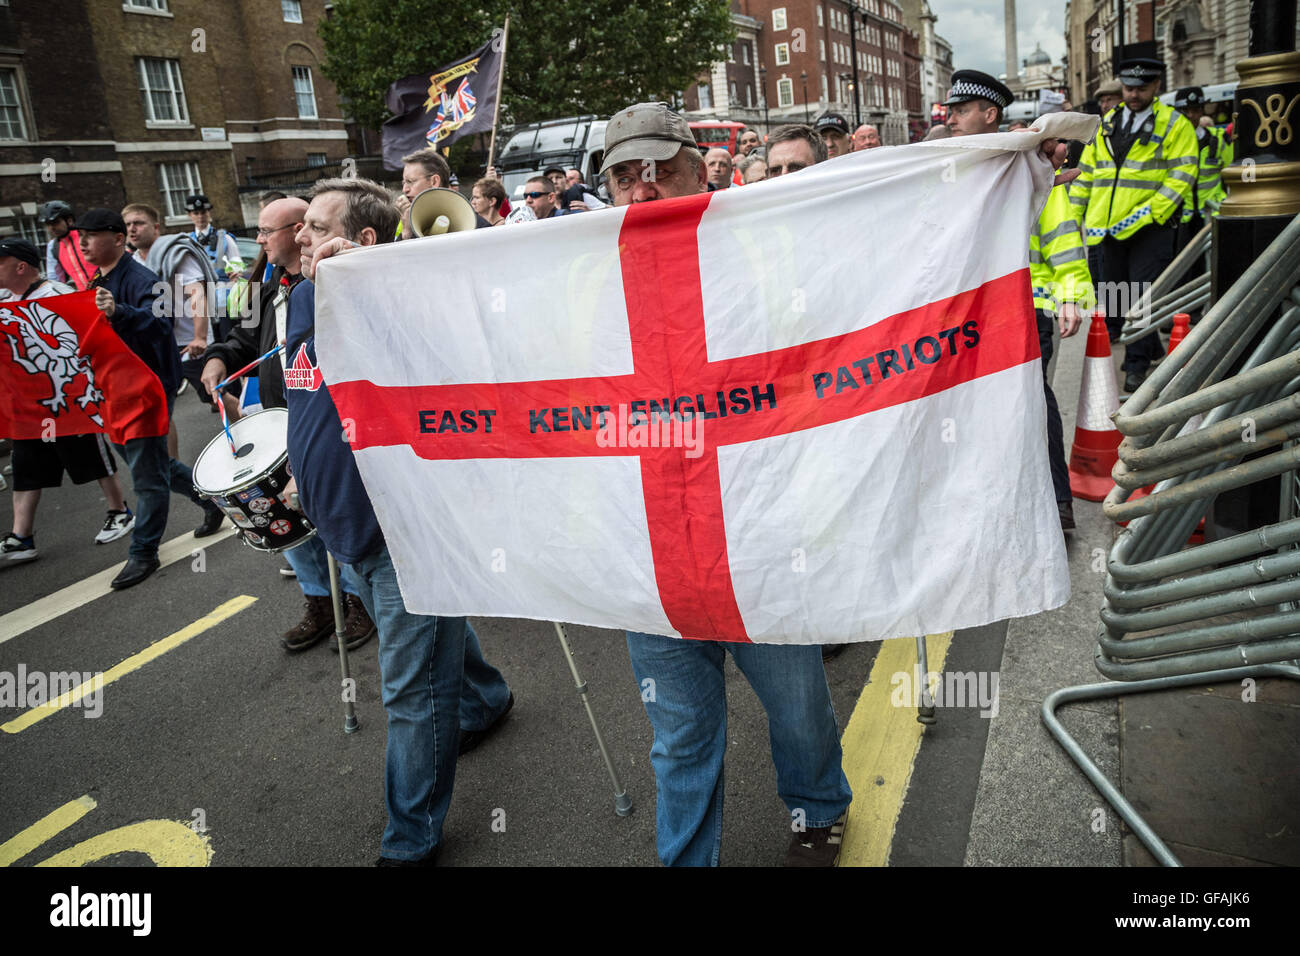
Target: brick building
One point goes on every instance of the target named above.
(804, 65)
(150, 100)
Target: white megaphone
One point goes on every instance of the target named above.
(437, 211)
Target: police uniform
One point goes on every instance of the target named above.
(1211, 151)
(1136, 176)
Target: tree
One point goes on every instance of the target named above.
(580, 56)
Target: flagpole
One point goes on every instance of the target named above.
(496, 109)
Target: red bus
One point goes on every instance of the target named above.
(711, 133)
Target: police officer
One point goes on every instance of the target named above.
(1058, 267)
(222, 250)
(1208, 191)
(1135, 176)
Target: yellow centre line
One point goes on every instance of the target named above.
(880, 745)
(96, 586)
(135, 661)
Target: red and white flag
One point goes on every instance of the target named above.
(803, 411)
(64, 371)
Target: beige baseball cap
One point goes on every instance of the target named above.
(645, 131)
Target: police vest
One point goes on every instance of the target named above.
(1209, 192)
(1150, 185)
(1058, 260)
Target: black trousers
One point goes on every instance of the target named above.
(1055, 433)
(1133, 264)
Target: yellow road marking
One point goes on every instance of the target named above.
(67, 599)
(880, 745)
(44, 829)
(166, 842)
(135, 661)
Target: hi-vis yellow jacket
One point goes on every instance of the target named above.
(1214, 155)
(1058, 259)
(1155, 179)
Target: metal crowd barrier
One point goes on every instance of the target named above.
(1177, 616)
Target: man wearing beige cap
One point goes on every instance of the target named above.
(650, 155)
(1108, 96)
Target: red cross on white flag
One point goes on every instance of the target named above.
(805, 411)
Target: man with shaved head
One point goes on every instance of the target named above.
(866, 136)
(718, 162)
(277, 228)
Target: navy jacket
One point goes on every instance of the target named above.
(329, 484)
(142, 321)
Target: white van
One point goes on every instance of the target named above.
(577, 142)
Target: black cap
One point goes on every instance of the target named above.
(973, 85)
(1189, 96)
(101, 220)
(197, 202)
(1140, 70)
(20, 249)
(831, 121)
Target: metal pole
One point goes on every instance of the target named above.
(622, 802)
(350, 724)
(853, 47)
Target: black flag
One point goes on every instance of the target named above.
(436, 109)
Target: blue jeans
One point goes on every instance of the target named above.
(427, 666)
(151, 475)
(311, 565)
(687, 705)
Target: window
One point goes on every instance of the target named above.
(744, 53)
(292, 11)
(304, 92)
(778, 18)
(12, 123)
(825, 91)
(706, 96)
(29, 228)
(782, 54)
(749, 94)
(158, 5)
(785, 91)
(316, 159)
(820, 21)
(178, 180)
(162, 91)
(821, 46)
(731, 88)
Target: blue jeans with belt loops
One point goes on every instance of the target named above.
(687, 705)
(427, 665)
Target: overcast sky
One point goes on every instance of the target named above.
(976, 31)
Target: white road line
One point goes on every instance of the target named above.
(96, 586)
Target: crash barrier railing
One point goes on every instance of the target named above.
(1171, 293)
(1225, 610)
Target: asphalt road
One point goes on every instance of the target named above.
(227, 730)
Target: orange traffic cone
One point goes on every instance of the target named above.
(1182, 322)
(1096, 439)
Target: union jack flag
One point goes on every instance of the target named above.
(452, 112)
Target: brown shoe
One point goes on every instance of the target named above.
(316, 625)
(357, 627)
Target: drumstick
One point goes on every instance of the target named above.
(221, 406)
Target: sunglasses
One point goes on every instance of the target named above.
(535, 195)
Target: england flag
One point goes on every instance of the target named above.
(808, 410)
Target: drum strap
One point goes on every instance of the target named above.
(281, 305)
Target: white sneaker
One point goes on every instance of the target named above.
(117, 524)
(13, 551)
(288, 571)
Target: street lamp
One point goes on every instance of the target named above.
(807, 117)
(762, 80)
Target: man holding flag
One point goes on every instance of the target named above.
(651, 155)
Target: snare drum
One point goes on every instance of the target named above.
(247, 485)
